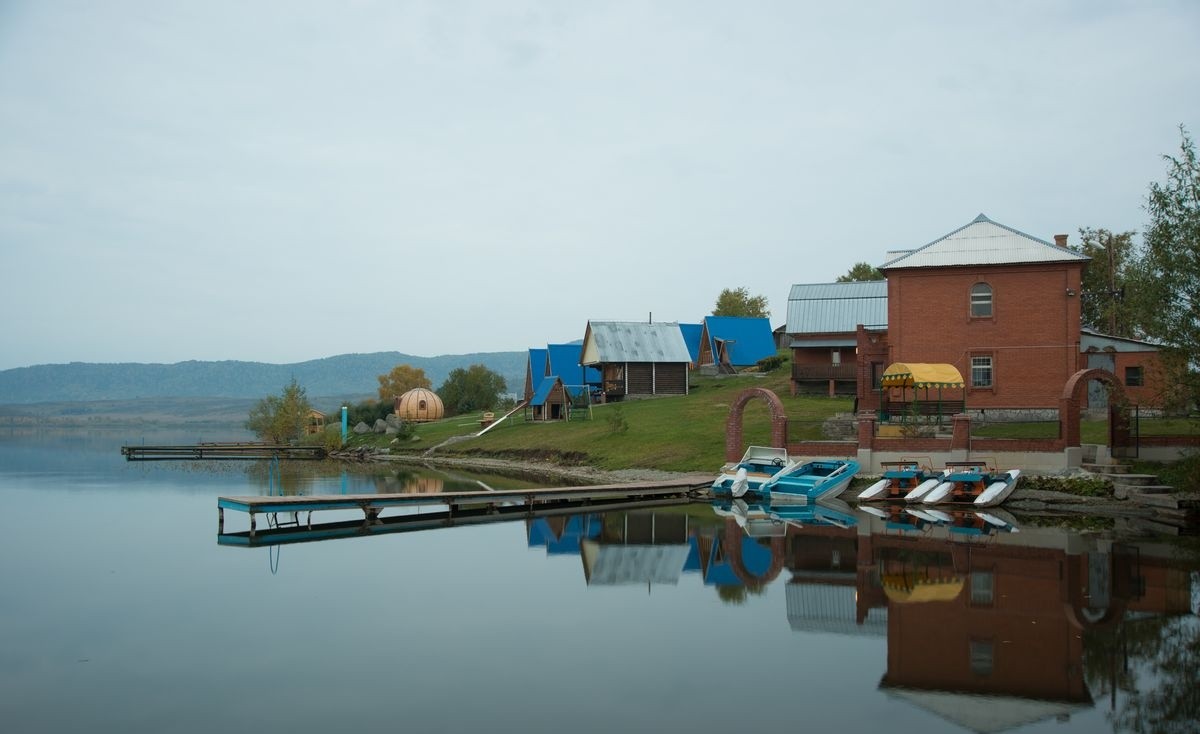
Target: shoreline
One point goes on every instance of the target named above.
(1029, 501)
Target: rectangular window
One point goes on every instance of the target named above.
(983, 658)
(981, 371)
(837, 358)
(982, 588)
(1133, 377)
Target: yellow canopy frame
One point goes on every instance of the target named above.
(920, 375)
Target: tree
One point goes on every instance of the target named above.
(738, 302)
(280, 418)
(1103, 303)
(1167, 270)
(859, 272)
(400, 380)
(471, 389)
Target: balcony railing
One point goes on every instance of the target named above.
(824, 372)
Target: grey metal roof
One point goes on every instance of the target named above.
(635, 341)
(984, 242)
(830, 308)
(1104, 342)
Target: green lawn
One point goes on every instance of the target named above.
(686, 433)
(683, 433)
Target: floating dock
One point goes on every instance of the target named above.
(456, 504)
(221, 451)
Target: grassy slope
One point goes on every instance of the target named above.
(684, 433)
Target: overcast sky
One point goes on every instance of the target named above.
(283, 181)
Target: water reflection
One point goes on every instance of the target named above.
(988, 625)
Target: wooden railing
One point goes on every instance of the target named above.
(824, 372)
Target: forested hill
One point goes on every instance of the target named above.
(346, 374)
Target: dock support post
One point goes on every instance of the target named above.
(252, 525)
(220, 520)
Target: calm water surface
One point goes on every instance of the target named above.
(121, 613)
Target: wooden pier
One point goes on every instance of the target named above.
(222, 452)
(456, 504)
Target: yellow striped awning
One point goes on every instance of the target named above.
(920, 374)
(923, 590)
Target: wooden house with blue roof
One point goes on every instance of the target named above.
(691, 337)
(535, 370)
(564, 360)
(729, 342)
(637, 358)
(557, 401)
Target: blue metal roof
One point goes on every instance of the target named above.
(691, 337)
(747, 339)
(563, 360)
(543, 391)
(536, 367)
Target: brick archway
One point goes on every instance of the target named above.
(733, 424)
(1076, 389)
(732, 539)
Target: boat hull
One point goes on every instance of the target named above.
(811, 481)
(955, 490)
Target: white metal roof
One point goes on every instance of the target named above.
(984, 242)
(634, 341)
(830, 308)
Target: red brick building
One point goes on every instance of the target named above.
(1004, 308)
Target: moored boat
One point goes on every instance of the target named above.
(900, 479)
(758, 464)
(810, 481)
(974, 483)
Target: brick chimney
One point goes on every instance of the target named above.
(1060, 240)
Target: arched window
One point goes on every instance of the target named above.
(421, 405)
(981, 301)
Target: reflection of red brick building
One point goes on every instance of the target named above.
(967, 613)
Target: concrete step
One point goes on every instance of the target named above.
(1123, 491)
(1184, 501)
(1137, 480)
(1105, 468)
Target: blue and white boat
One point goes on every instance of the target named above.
(810, 481)
(757, 465)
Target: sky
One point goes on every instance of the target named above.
(285, 181)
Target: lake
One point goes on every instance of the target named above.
(121, 612)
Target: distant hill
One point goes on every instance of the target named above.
(343, 375)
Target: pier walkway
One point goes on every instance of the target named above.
(456, 504)
(221, 451)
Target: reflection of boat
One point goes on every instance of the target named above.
(975, 483)
(964, 521)
(758, 464)
(900, 479)
(827, 512)
(810, 481)
(764, 520)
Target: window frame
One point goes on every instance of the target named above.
(974, 301)
(1135, 370)
(991, 370)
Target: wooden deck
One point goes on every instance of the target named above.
(221, 451)
(456, 503)
(289, 532)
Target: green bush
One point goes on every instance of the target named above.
(772, 363)
(1081, 486)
